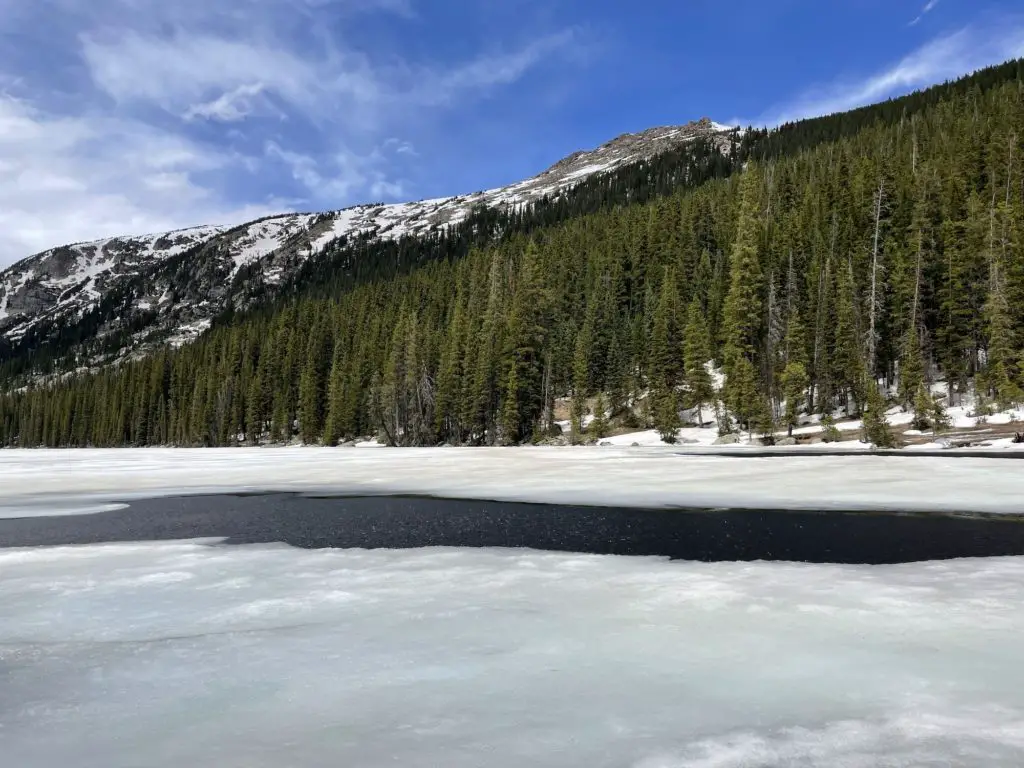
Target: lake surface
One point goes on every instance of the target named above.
(412, 522)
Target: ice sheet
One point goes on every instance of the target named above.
(54, 509)
(154, 655)
(611, 476)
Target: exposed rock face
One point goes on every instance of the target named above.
(32, 298)
(172, 284)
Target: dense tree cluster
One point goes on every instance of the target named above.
(819, 278)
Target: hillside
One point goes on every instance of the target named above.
(838, 266)
(128, 294)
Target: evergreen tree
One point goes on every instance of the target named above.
(742, 318)
(599, 427)
(664, 361)
(794, 387)
(312, 386)
(742, 312)
(876, 426)
(580, 371)
(1001, 358)
(745, 399)
(911, 368)
(847, 352)
(523, 401)
(666, 414)
(696, 356)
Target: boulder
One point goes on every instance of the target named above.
(786, 441)
(728, 440)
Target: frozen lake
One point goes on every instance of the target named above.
(237, 631)
(183, 653)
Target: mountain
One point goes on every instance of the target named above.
(127, 294)
(849, 264)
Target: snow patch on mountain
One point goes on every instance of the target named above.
(61, 285)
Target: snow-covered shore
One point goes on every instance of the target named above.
(31, 481)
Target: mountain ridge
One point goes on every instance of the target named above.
(58, 287)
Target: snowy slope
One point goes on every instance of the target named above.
(79, 274)
(60, 286)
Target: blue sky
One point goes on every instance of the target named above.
(130, 116)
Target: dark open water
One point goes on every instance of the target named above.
(406, 522)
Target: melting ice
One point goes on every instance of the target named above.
(188, 653)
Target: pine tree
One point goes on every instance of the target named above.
(1000, 367)
(312, 386)
(334, 425)
(510, 415)
(794, 388)
(666, 414)
(922, 408)
(696, 356)
(847, 352)
(599, 427)
(763, 420)
(580, 375)
(742, 313)
(911, 368)
(744, 398)
(664, 364)
(876, 426)
(523, 358)
(829, 431)
(664, 361)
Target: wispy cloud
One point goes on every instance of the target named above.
(229, 107)
(139, 115)
(66, 179)
(928, 8)
(944, 58)
(486, 71)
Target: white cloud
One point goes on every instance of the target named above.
(338, 176)
(487, 71)
(217, 77)
(399, 147)
(928, 8)
(944, 58)
(79, 178)
(387, 190)
(157, 115)
(180, 71)
(229, 107)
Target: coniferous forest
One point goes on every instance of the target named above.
(844, 262)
